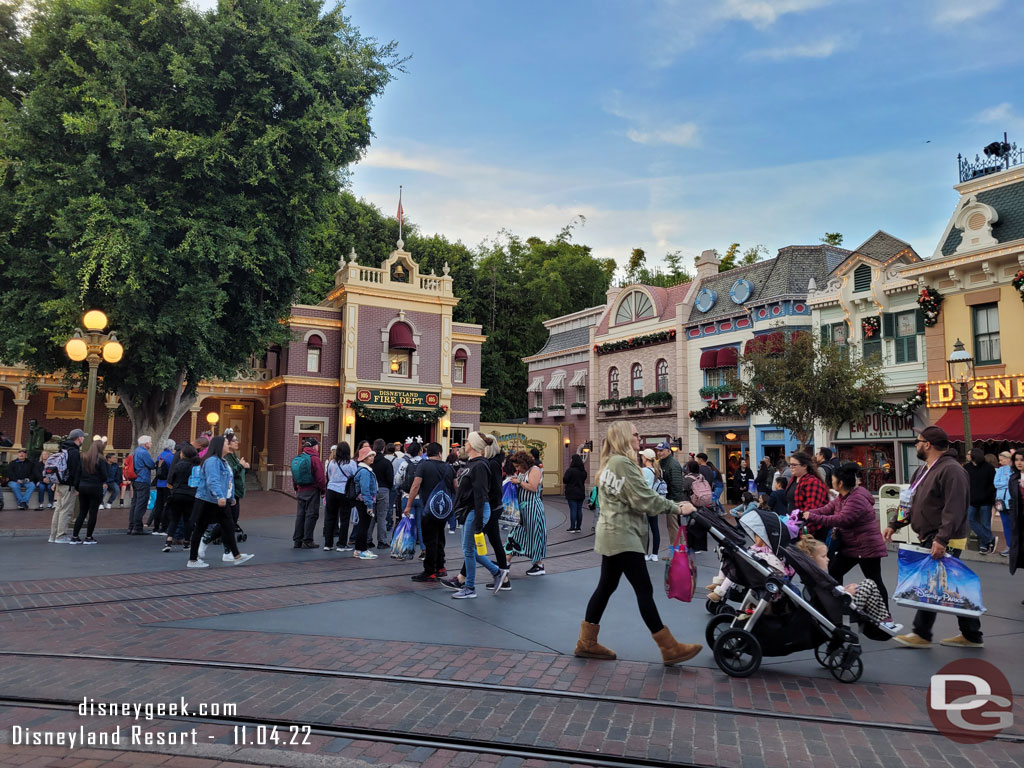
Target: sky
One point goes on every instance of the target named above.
(687, 124)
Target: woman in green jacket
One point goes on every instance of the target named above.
(621, 540)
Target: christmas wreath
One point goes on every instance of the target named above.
(429, 416)
(908, 406)
(1018, 283)
(870, 326)
(930, 300)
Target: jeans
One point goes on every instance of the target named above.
(469, 548)
(307, 512)
(1007, 519)
(492, 530)
(382, 507)
(417, 516)
(970, 626)
(22, 490)
(981, 524)
(44, 489)
(113, 493)
(575, 513)
(140, 499)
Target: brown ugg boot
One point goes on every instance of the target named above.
(587, 646)
(673, 652)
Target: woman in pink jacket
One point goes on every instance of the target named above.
(853, 513)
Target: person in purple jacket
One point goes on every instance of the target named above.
(853, 513)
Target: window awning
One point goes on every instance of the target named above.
(537, 385)
(461, 354)
(708, 359)
(727, 358)
(579, 379)
(991, 422)
(755, 344)
(400, 337)
(775, 342)
(557, 381)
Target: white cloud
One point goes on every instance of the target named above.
(764, 13)
(1002, 116)
(821, 49)
(958, 11)
(204, 5)
(680, 135)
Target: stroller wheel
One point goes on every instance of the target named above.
(716, 626)
(737, 653)
(821, 654)
(845, 664)
(711, 607)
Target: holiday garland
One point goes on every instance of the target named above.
(718, 408)
(930, 300)
(870, 326)
(398, 412)
(1018, 283)
(908, 406)
(635, 342)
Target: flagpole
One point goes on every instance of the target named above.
(400, 208)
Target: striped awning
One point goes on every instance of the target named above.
(579, 379)
(557, 381)
(537, 385)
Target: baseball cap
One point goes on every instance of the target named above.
(75, 434)
(309, 442)
(663, 446)
(648, 454)
(936, 436)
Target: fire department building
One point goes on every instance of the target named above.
(380, 357)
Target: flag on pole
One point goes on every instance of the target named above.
(401, 213)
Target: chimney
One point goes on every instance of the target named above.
(707, 265)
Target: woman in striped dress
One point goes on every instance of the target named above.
(530, 537)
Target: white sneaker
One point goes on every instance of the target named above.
(891, 627)
(654, 558)
(197, 564)
(241, 559)
(228, 557)
(344, 549)
(202, 549)
(51, 540)
(367, 555)
(62, 539)
(328, 549)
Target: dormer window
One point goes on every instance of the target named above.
(636, 306)
(862, 278)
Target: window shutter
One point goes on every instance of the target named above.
(862, 278)
(888, 325)
(920, 321)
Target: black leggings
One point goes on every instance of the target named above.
(655, 525)
(492, 530)
(871, 567)
(362, 527)
(337, 514)
(206, 512)
(634, 567)
(180, 507)
(89, 500)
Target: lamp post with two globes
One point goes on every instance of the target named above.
(92, 346)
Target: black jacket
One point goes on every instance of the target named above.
(494, 464)
(95, 480)
(672, 474)
(983, 483)
(1017, 520)
(742, 480)
(74, 464)
(22, 470)
(384, 471)
(474, 491)
(575, 482)
(181, 469)
(764, 478)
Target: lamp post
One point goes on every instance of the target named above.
(92, 346)
(961, 370)
(212, 418)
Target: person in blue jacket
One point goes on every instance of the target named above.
(143, 464)
(213, 505)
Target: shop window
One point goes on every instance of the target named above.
(876, 460)
(905, 337)
(613, 383)
(836, 333)
(459, 367)
(872, 349)
(661, 378)
(637, 379)
(862, 278)
(636, 306)
(986, 335)
(314, 346)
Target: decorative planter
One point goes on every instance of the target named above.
(578, 410)
(661, 406)
(536, 414)
(558, 411)
(637, 406)
(609, 408)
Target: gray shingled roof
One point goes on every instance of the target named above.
(557, 342)
(1009, 202)
(882, 246)
(785, 275)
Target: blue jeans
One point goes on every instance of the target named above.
(113, 493)
(981, 524)
(1007, 526)
(417, 513)
(42, 489)
(22, 492)
(469, 548)
(575, 513)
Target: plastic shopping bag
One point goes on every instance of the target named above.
(152, 499)
(403, 539)
(943, 586)
(680, 570)
(510, 503)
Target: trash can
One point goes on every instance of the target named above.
(888, 503)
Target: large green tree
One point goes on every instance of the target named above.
(171, 167)
(802, 380)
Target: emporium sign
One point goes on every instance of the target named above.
(986, 390)
(389, 398)
(877, 426)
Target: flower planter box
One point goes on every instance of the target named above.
(635, 406)
(558, 411)
(579, 410)
(661, 406)
(536, 414)
(609, 408)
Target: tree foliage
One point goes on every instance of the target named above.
(733, 258)
(171, 167)
(804, 380)
(833, 238)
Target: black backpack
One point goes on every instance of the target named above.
(351, 486)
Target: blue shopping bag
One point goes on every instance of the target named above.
(403, 539)
(942, 586)
(152, 499)
(510, 503)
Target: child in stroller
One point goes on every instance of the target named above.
(754, 524)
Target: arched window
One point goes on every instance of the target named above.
(314, 347)
(636, 306)
(661, 382)
(637, 377)
(400, 349)
(459, 366)
(613, 382)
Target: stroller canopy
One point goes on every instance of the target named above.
(768, 527)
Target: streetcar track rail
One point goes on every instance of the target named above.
(459, 744)
(926, 730)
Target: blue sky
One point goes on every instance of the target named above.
(684, 124)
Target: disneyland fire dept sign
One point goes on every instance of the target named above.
(986, 390)
(391, 397)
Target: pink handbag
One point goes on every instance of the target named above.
(680, 570)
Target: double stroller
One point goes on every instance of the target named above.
(776, 616)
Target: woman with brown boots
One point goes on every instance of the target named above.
(621, 540)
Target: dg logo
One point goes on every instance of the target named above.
(970, 701)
